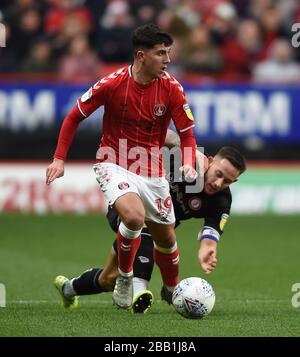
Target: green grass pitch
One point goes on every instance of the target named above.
(258, 262)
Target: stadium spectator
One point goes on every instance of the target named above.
(73, 26)
(114, 30)
(257, 7)
(279, 67)
(13, 10)
(180, 19)
(207, 8)
(241, 52)
(61, 11)
(26, 33)
(287, 10)
(145, 14)
(40, 59)
(81, 62)
(139, 102)
(214, 206)
(199, 54)
(222, 24)
(271, 25)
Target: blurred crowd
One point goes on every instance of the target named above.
(81, 40)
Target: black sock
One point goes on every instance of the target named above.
(87, 283)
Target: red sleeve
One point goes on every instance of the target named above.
(67, 133)
(181, 113)
(98, 94)
(183, 119)
(188, 147)
(93, 98)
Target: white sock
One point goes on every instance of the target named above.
(139, 285)
(126, 275)
(68, 289)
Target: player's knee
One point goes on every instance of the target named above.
(167, 240)
(171, 238)
(107, 282)
(133, 219)
(166, 250)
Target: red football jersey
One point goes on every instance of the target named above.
(136, 118)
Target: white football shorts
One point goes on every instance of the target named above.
(115, 181)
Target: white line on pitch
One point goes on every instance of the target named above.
(93, 302)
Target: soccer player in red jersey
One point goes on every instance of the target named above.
(139, 102)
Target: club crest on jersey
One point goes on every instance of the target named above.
(188, 111)
(159, 110)
(194, 203)
(123, 185)
(223, 221)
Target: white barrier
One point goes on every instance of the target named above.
(23, 189)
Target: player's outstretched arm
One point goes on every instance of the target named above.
(207, 255)
(173, 140)
(55, 170)
(66, 135)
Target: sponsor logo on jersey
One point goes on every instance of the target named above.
(123, 185)
(188, 111)
(87, 95)
(223, 221)
(195, 203)
(159, 110)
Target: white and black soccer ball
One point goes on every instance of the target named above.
(193, 298)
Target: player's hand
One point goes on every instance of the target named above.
(201, 163)
(189, 173)
(207, 255)
(55, 170)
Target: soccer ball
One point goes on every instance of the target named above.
(193, 298)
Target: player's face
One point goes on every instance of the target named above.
(156, 60)
(220, 174)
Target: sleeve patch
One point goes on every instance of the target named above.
(87, 95)
(188, 111)
(223, 221)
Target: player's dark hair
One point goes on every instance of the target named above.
(234, 157)
(147, 36)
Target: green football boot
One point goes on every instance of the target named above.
(67, 303)
(142, 302)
